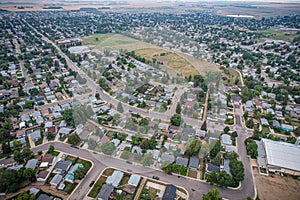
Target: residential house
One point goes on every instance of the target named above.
(226, 140)
(36, 135)
(211, 167)
(182, 161)
(194, 162)
(115, 178)
(56, 180)
(31, 163)
(167, 157)
(63, 165)
(105, 192)
(134, 180)
(170, 192)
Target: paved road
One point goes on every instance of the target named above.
(102, 161)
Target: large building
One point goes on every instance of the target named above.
(277, 156)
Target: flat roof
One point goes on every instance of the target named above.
(282, 154)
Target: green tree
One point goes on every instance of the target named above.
(226, 130)
(17, 144)
(73, 138)
(51, 149)
(251, 147)
(26, 196)
(216, 148)
(147, 159)
(176, 120)
(67, 115)
(92, 144)
(18, 156)
(28, 173)
(108, 148)
(213, 194)
(192, 146)
(80, 173)
(237, 170)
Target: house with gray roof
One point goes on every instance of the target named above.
(116, 142)
(64, 131)
(188, 131)
(115, 178)
(275, 124)
(226, 139)
(264, 122)
(136, 149)
(31, 163)
(134, 180)
(182, 161)
(200, 133)
(163, 126)
(154, 152)
(211, 167)
(63, 165)
(56, 180)
(194, 162)
(105, 192)
(169, 193)
(36, 135)
(44, 197)
(167, 157)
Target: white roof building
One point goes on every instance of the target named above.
(282, 156)
(134, 180)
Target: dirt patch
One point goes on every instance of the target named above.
(276, 188)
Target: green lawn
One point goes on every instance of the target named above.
(39, 142)
(92, 39)
(69, 187)
(55, 153)
(63, 138)
(97, 187)
(108, 172)
(276, 34)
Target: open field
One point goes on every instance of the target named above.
(276, 34)
(115, 41)
(169, 59)
(232, 75)
(276, 188)
(182, 63)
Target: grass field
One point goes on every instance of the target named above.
(169, 59)
(182, 63)
(232, 75)
(276, 34)
(114, 41)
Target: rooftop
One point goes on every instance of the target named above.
(282, 154)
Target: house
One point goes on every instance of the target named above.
(200, 133)
(70, 176)
(154, 152)
(194, 162)
(105, 192)
(226, 139)
(136, 149)
(49, 159)
(167, 157)
(134, 180)
(64, 131)
(63, 165)
(189, 131)
(31, 163)
(116, 142)
(36, 135)
(276, 124)
(115, 178)
(48, 124)
(56, 180)
(170, 192)
(44, 197)
(182, 161)
(163, 126)
(264, 122)
(34, 191)
(43, 175)
(211, 167)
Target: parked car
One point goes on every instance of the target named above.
(74, 146)
(128, 162)
(155, 177)
(92, 183)
(170, 173)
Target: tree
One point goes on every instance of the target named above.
(18, 156)
(226, 130)
(193, 146)
(176, 120)
(51, 149)
(178, 108)
(215, 149)
(147, 159)
(250, 123)
(108, 148)
(97, 95)
(224, 179)
(80, 173)
(50, 136)
(237, 171)
(251, 147)
(26, 196)
(28, 173)
(17, 144)
(213, 194)
(92, 144)
(28, 104)
(67, 115)
(73, 138)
